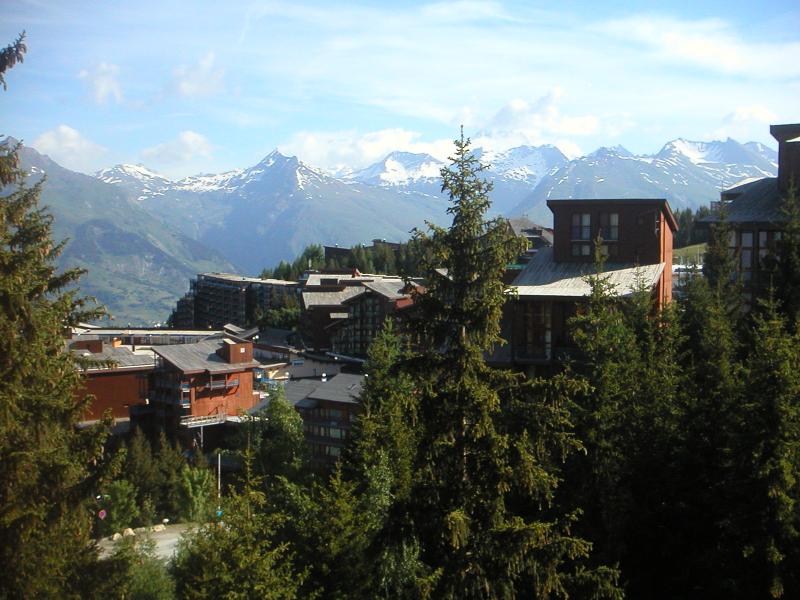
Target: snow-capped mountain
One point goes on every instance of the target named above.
(524, 163)
(269, 212)
(686, 173)
(136, 178)
(514, 172)
(400, 169)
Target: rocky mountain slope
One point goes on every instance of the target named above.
(688, 174)
(271, 211)
(137, 266)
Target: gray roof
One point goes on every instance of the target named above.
(390, 288)
(299, 389)
(343, 387)
(544, 277)
(330, 298)
(306, 393)
(200, 357)
(757, 202)
(233, 278)
(122, 357)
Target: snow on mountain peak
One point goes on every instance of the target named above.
(119, 173)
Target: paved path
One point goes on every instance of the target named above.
(166, 541)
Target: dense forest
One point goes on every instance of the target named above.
(662, 462)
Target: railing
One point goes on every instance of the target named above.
(204, 420)
(219, 385)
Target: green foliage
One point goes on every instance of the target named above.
(379, 258)
(119, 501)
(49, 468)
(787, 273)
(170, 463)
(386, 428)
(688, 233)
(313, 257)
(237, 558)
(286, 317)
(769, 526)
(10, 56)
(146, 577)
(481, 507)
(197, 493)
(277, 438)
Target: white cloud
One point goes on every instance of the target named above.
(203, 78)
(188, 146)
(708, 43)
(104, 83)
(520, 122)
(70, 149)
(335, 150)
(746, 123)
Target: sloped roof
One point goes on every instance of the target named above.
(344, 387)
(544, 277)
(200, 357)
(757, 202)
(122, 357)
(312, 298)
(389, 288)
(307, 393)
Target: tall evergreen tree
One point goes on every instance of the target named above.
(768, 525)
(787, 276)
(48, 467)
(471, 471)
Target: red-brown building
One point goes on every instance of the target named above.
(117, 380)
(204, 383)
(635, 235)
(329, 408)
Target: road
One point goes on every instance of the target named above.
(166, 541)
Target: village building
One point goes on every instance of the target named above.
(329, 407)
(115, 377)
(754, 208)
(634, 236)
(203, 384)
(215, 299)
(344, 311)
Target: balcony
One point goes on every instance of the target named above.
(221, 385)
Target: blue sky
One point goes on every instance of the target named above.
(189, 87)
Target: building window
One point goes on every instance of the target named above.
(746, 254)
(609, 226)
(581, 249)
(581, 226)
(609, 250)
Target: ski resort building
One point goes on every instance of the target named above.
(635, 236)
(754, 208)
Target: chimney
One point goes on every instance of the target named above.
(788, 137)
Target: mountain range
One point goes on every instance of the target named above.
(142, 235)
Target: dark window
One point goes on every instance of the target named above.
(609, 226)
(581, 226)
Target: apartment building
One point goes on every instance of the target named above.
(216, 299)
(634, 235)
(754, 208)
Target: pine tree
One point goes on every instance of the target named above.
(238, 558)
(768, 525)
(471, 470)
(48, 467)
(787, 279)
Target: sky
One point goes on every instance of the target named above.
(204, 87)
